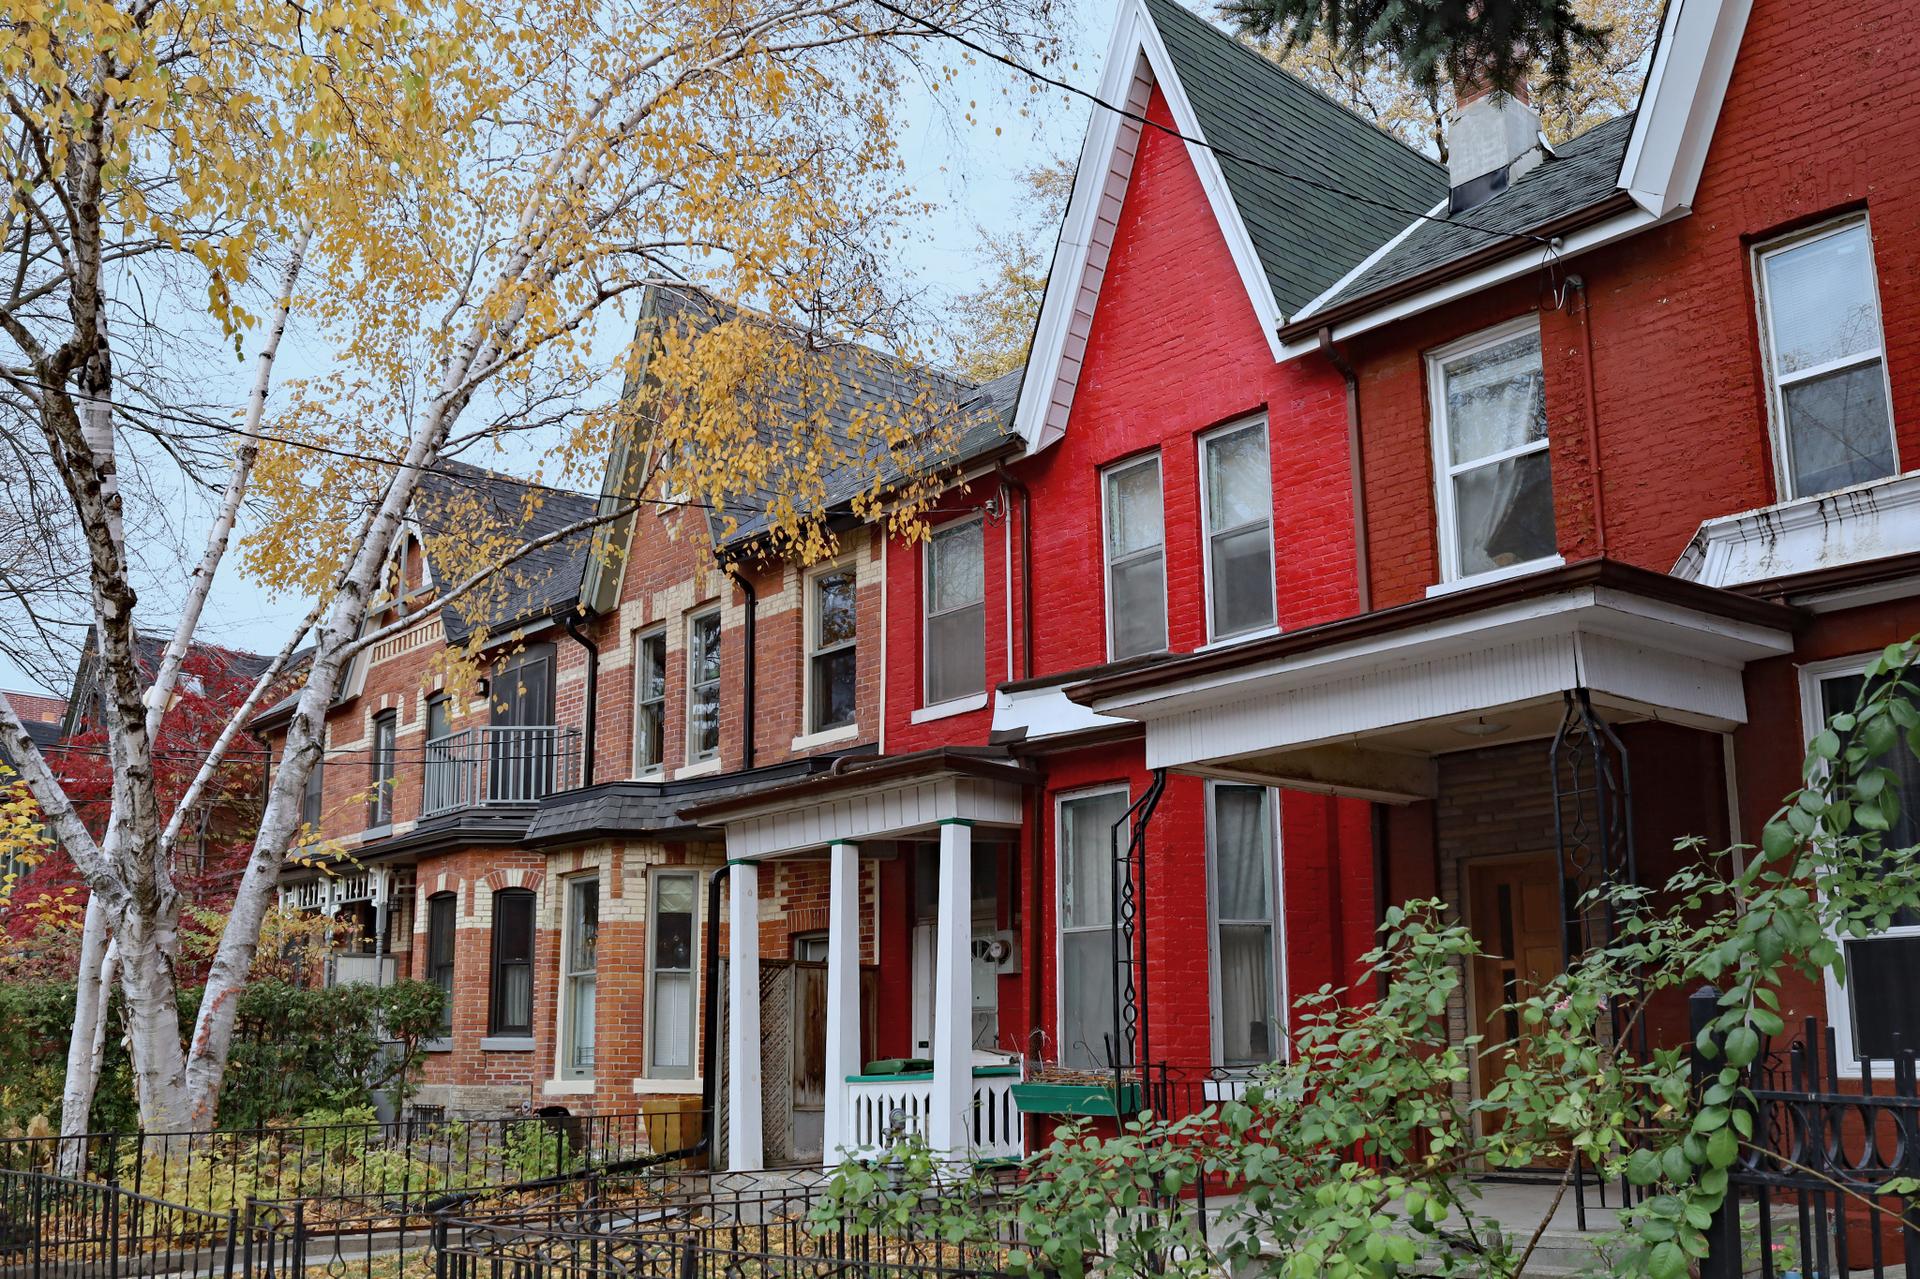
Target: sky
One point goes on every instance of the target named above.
(964, 148)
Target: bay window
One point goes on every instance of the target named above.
(670, 974)
(386, 728)
(1495, 484)
(649, 703)
(703, 687)
(1826, 370)
(579, 975)
(1237, 509)
(1135, 537)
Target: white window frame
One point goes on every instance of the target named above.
(1812, 721)
(1060, 930)
(1440, 432)
(653, 1069)
(967, 701)
(563, 1005)
(1107, 474)
(810, 633)
(640, 639)
(1208, 533)
(693, 754)
(1276, 894)
(1769, 358)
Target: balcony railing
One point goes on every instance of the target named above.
(499, 765)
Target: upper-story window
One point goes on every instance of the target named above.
(955, 633)
(311, 798)
(1237, 507)
(831, 637)
(703, 687)
(1136, 558)
(385, 766)
(649, 702)
(1826, 371)
(1495, 493)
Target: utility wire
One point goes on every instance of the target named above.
(1130, 114)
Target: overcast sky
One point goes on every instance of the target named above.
(969, 170)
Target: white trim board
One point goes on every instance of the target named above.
(1699, 42)
(1136, 63)
(1848, 526)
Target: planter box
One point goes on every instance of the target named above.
(1040, 1098)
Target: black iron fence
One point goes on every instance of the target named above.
(61, 1228)
(1829, 1183)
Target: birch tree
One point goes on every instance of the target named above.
(453, 201)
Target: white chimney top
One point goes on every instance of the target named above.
(1492, 139)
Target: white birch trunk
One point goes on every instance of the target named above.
(91, 987)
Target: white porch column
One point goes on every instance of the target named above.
(843, 993)
(947, 1128)
(745, 1149)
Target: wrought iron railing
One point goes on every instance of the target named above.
(499, 764)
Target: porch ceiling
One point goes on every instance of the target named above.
(1364, 706)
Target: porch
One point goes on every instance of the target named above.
(955, 814)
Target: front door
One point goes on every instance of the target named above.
(1514, 910)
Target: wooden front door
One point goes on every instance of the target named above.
(1514, 910)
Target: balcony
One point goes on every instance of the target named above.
(499, 764)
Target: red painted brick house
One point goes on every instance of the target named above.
(1632, 422)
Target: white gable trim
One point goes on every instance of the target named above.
(1334, 289)
(1136, 62)
(1681, 103)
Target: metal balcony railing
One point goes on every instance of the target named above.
(499, 765)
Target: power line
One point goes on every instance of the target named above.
(1317, 184)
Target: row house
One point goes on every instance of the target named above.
(1361, 528)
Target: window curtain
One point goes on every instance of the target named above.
(1243, 907)
(1495, 402)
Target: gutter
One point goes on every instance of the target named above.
(1362, 565)
(571, 622)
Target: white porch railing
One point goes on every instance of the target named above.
(993, 1127)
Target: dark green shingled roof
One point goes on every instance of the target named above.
(1306, 238)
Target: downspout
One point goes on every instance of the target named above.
(1026, 569)
(1579, 285)
(1362, 566)
(747, 663)
(572, 624)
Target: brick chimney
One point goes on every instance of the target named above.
(1492, 139)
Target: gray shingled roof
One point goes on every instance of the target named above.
(1580, 174)
(456, 495)
(1245, 104)
(869, 381)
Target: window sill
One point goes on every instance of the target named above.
(675, 1087)
(441, 1045)
(506, 1044)
(372, 833)
(657, 773)
(956, 706)
(1496, 575)
(1244, 637)
(825, 737)
(567, 1088)
(704, 768)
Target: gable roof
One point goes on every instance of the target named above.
(1615, 180)
(458, 499)
(866, 380)
(1301, 188)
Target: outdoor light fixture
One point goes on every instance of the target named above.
(1479, 728)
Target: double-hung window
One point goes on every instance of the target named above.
(386, 729)
(1826, 370)
(830, 649)
(440, 908)
(955, 625)
(1237, 498)
(1084, 844)
(703, 687)
(1877, 1012)
(579, 955)
(1495, 487)
(1136, 556)
(510, 992)
(649, 703)
(670, 974)
(313, 796)
(1247, 986)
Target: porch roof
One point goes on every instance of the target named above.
(1362, 706)
(883, 798)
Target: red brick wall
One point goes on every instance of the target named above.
(1809, 129)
